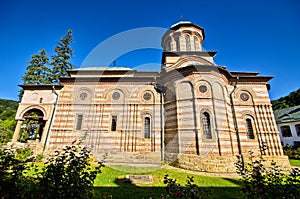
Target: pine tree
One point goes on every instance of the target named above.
(60, 61)
(37, 72)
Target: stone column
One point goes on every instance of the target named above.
(45, 132)
(17, 131)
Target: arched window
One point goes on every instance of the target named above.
(177, 44)
(250, 132)
(187, 43)
(114, 123)
(147, 127)
(206, 125)
(169, 46)
(196, 43)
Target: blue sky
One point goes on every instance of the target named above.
(256, 35)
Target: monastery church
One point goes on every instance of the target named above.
(193, 113)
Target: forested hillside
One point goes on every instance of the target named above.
(293, 99)
(8, 110)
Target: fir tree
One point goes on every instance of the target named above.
(37, 72)
(60, 61)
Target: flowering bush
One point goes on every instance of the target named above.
(263, 183)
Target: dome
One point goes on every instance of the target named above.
(183, 36)
(181, 23)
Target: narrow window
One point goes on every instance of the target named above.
(177, 44)
(169, 45)
(147, 128)
(79, 122)
(250, 132)
(206, 126)
(286, 131)
(187, 43)
(196, 44)
(114, 123)
(297, 127)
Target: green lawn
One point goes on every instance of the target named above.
(295, 162)
(111, 182)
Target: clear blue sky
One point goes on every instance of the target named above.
(254, 35)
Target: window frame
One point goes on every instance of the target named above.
(196, 43)
(148, 128)
(114, 120)
(79, 122)
(187, 40)
(297, 128)
(177, 41)
(206, 125)
(249, 123)
(283, 133)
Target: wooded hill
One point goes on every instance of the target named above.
(292, 99)
(8, 109)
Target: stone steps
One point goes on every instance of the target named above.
(129, 157)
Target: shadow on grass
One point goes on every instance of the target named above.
(127, 190)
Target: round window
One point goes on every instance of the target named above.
(244, 96)
(116, 95)
(147, 96)
(202, 88)
(83, 96)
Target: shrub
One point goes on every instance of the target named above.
(14, 184)
(69, 174)
(189, 191)
(39, 157)
(263, 183)
(23, 153)
(292, 152)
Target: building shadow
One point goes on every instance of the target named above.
(127, 190)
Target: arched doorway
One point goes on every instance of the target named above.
(32, 126)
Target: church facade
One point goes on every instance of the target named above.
(193, 113)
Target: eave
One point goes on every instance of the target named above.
(41, 86)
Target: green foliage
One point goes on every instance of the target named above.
(66, 174)
(37, 72)
(60, 61)
(260, 182)
(292, 152)
(189, 191)
(39, 157)
(294, 163)
(293, 99)
(23, 153)
(8, 110)
(14, 182)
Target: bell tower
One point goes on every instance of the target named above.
(183, 36)
(182, 45)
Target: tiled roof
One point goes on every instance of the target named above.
(102, 69)
(291, 114)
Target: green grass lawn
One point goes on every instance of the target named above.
(295, 162)
(111, 182)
